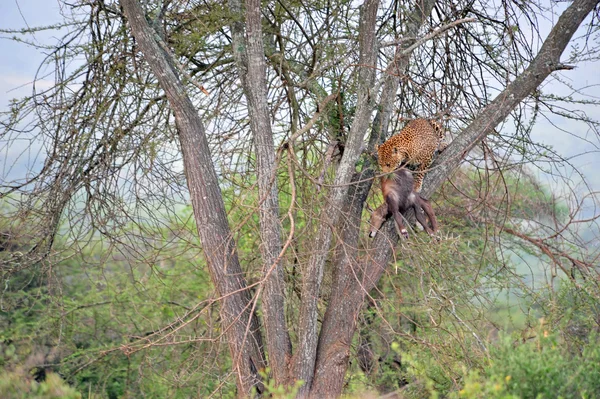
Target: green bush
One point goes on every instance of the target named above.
(17, 385)
(541, 369)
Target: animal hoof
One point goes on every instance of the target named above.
(404, 233)
(372, 234)
(436, 236)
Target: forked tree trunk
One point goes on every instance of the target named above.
(354, 278)
(306, 352)
(332, 355)
(241, 326)
(350, 279)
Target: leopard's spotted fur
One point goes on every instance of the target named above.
(415, 145)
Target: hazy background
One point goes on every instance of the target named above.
(575, 141)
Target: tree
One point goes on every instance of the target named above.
(316, 79)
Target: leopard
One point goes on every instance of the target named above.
(415, 146)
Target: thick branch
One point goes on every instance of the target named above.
(349, 282)
(249, 56)
(305, 356)
(352, 279)
(208, 206)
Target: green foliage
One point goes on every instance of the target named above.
(279, 391)
(98, 320)
(558, 358)
(539, 369)
(445, 303)
(17, 385)
(201, 23)
(542, 369)
(478, 387)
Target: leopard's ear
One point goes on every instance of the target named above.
(376, 147)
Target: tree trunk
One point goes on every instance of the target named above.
(240, 325)
(249, 54)
(305, 355)
(323, 370)
(353, 279)
(349, 284)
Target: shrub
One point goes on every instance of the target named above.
(540, 369)
(18, 385)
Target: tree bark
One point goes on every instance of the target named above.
(352, 278)
(249, 55)
(305, 355)
(323, 370)
(350, 281)
(240, 326)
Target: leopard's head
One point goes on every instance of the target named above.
(390, 154)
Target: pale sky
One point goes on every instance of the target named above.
(19, 63)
